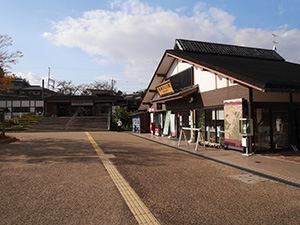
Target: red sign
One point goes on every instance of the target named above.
(152, 109)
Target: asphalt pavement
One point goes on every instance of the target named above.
(58, 178)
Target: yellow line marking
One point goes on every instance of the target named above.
(96, 147)
(140, 211)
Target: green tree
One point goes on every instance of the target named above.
(142, 93)
(124, 117)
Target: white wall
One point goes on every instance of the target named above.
(173, 69)
(2, 104)
(19, 103)
(25, 103)
(183, 66)
(221, 81)
(205, 80)
(39, 103)
(177, 67)
(16, 103)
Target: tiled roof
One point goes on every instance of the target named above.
(229, 50)
(270, 75)
(32, 88)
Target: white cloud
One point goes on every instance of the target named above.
(106, 78)
(135, 35)
(31, 77)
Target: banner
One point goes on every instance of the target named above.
(167, 123)
(172, 125)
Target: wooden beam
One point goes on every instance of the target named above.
(160, 75)
(146, 103)
(152, 90)
(214, 71)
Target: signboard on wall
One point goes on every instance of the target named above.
(165, 89)
(82, 103)
(233, 111)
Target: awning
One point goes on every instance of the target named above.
(181, 94)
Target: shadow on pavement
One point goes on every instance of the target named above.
(48, 149)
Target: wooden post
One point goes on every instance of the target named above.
(2, 119)
(201, 133)
(180, 135)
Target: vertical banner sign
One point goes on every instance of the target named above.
(191, 123)
(172, 125)
(233, 111)
(167, 123)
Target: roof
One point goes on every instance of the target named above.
(178, 95)
(263, 69)
(268, 75)
(82, 98)
(224, 49)
(32, 88)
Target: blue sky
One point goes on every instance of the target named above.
(85, 41)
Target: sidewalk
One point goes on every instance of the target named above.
(273, 168)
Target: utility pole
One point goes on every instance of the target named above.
(51, 82)
(112, 84)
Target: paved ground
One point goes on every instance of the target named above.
(58, 178)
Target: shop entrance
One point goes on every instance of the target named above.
(280, 128)
(211, 122)
(63, 109)
(272, 129)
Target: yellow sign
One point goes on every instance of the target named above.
(165, 89)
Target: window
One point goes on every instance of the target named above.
(21, 109)
(182, 79)
(159, 106)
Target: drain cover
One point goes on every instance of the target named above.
(250, 178)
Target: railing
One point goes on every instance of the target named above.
(71, 120)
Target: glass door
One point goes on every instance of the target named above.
(262, 129)
(280, 128)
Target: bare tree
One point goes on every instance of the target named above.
(67, 88)
(105, 85)
(6, 60)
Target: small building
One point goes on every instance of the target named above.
(214, 86)
(22, 98)
(89, 105)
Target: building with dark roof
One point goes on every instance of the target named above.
(89, 105)
(23, 98)
(217, 87)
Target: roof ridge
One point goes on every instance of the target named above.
(226, 49)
